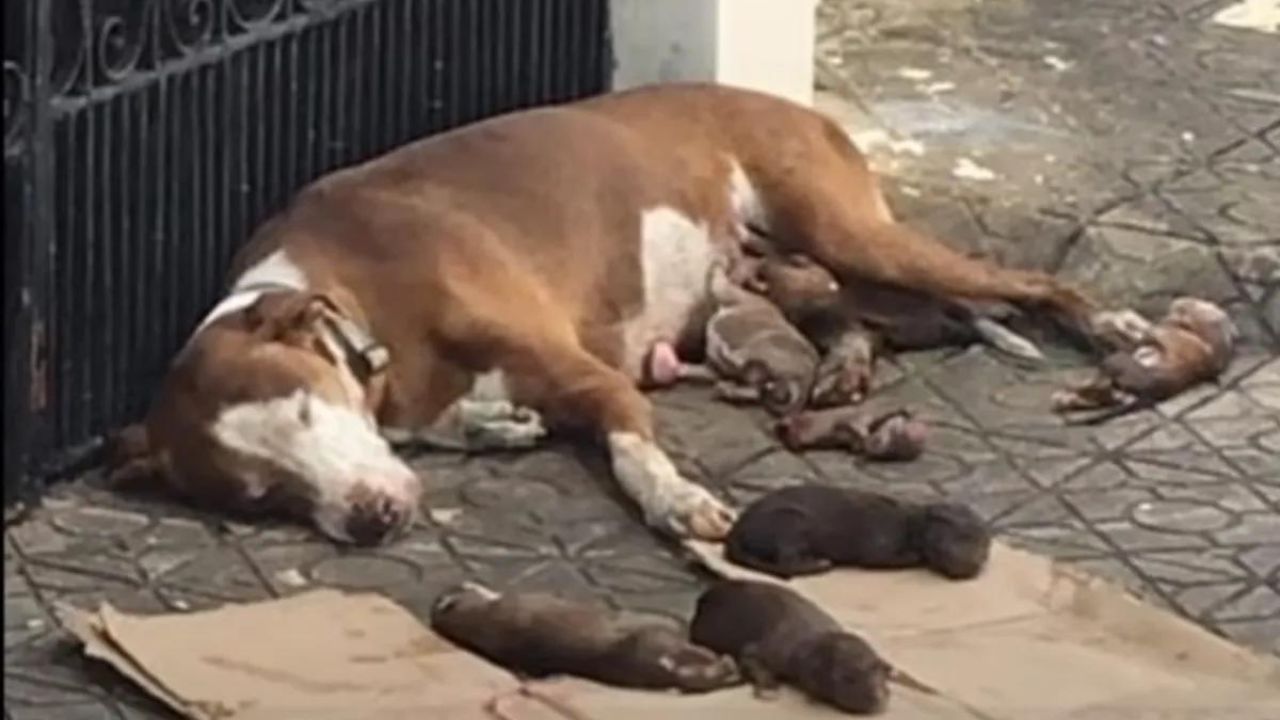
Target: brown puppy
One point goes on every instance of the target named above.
(1193, 343)
(751, 345)
(778, 636)
(540, 635)
(894, 436)
(808, 529)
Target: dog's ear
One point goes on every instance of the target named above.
(277, 315)
(133, 463)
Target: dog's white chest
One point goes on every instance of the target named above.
(676, 255)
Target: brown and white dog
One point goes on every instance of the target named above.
(508, 272)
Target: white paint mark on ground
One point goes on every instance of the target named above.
(1260, 15)
(444, 516)
(911, 73)
(291, 577)
(970, 170)
(1056, 62)
(869, 140)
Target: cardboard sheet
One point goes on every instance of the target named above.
(1028, 640)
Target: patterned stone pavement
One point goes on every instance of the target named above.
(1144, 161)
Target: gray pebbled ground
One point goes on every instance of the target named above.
(1142, 161)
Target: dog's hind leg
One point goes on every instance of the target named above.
(835, 212)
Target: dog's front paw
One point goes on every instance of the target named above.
(691, 511)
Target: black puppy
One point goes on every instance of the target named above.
(778, 636)
(538, 635)
(808, 529)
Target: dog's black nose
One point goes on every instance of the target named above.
(373, 521)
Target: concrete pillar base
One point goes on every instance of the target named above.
(764, 45)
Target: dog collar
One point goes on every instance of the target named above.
(363, 355)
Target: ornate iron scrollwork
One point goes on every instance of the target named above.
(105, 42)
(17, 98)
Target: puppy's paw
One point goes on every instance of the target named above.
(842, 379)
(699, 670)
(1073, 400)
(766, 693)
(1119, 329)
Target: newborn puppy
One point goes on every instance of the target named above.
(894, 436)
(540, 635)
(808, 529)
(1193, 343)
(813, 301)
(751, 345)
(778, 636)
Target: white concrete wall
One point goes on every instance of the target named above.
(760, 44)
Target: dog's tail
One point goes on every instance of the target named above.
(132, 462)
(1005, 340)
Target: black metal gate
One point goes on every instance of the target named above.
(145, 138)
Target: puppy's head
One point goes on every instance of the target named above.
(843, 670)
(954, 540)
(896, 437)
(783, 389)
(1208, 321)
(797, 284)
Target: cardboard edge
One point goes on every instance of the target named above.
(1099, 600)
(92, 632)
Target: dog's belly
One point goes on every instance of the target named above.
(676, 256)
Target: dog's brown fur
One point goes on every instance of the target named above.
(513, 244)
(541, 635)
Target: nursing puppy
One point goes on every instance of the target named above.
(751, 345)
(855, 326)
(892, 437)
(778, 636)
(1193, 343)
(808, 529)
(814, 302)
(540, 635)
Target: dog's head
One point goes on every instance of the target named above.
(270, 407)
